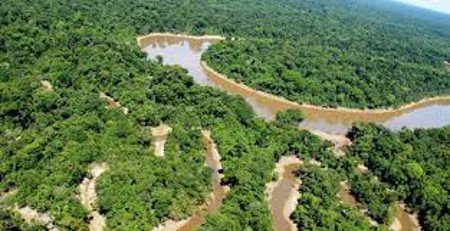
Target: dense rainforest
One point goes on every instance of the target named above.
(348, 53)
(408, 166)
(49, 135)
(412, 163)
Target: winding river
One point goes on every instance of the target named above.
(186, 51)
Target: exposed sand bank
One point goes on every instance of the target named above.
(88, 197)
(396, 225)
(288, 184)
(159, 136)
(32, 216)
(404, 221)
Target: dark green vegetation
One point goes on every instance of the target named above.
(319, 208)
(413, 163)
(48, 138)
(350, 53)
(409, 166)
(290, 117)
(12, 221)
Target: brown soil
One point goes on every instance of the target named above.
(112, 103)
(403, 220)
(361, 168)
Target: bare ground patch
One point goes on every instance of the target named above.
(88, 197)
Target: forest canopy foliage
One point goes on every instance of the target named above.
(414, 164)
(350, 53)
(49, 136)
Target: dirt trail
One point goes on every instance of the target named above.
(32, 216)
(214, 200)
(88, 197)
(46, 85)
(112, 103)
(159, 136)
(283, 194)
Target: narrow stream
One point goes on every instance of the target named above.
(280, 199)
(219, 191)
(283, 194)
(186, 52)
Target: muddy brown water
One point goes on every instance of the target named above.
(408, 222)
(218, 191)
(187, 52)
(280, 197)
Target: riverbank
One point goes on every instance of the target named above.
(307, 107)
(141, 39)
(186, 51)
